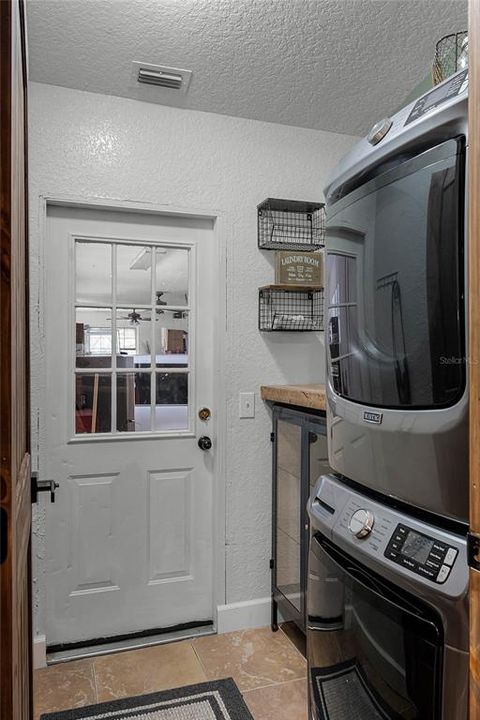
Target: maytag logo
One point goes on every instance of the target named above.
(372, 417)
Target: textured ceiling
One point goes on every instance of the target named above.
(327, 64)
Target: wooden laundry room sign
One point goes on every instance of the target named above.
(297, 268)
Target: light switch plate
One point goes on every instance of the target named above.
(247, 404)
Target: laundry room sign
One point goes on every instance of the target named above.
(296, 268)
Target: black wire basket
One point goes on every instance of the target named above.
(451, 55)
(291, 225)
(290, 309)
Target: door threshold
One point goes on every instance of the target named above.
(133, 642)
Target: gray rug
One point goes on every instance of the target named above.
(217, 700)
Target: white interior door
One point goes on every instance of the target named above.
(129, 322)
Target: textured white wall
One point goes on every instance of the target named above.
(87, 145)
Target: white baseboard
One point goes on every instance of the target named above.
(39, 652)
(244, 615)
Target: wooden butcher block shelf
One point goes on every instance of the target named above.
(307, 396)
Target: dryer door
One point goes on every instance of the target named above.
(395, 284)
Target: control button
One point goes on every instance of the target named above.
(391, 554)
(443, 574)
(421, 570)
(361, 523)
(450, 556)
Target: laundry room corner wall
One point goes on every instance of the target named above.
(84, 146)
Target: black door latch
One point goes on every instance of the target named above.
(39, 486)
(204, 443)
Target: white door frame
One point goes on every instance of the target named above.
(38, 313)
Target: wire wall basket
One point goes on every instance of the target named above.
(291, 225)
(451, 55)
(283, 308)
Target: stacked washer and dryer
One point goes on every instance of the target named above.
(388, 576)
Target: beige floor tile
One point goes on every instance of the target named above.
(254, 658)
(64, 686)
(287, 701)
(148, 670)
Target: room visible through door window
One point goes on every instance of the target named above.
(139, 295)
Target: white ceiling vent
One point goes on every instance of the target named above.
(162, 76)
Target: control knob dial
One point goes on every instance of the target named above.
(361, 523)
(379, 130)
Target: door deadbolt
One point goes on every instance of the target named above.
(204, 414)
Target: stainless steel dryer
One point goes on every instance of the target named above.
(395, 295)
(387, 631)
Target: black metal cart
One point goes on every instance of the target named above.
(299, 457)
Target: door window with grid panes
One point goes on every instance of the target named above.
(140, 295)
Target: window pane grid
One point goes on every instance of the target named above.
(166, 361)
(138, 306)
(153, 353)
(114, 333)
(133, 371)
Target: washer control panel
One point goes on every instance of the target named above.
(423, 555)
(402, 548)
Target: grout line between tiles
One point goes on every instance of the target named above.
(283, 682)
(273, 684)
(200, 661)
(95, 681)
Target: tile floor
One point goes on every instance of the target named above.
(268, 668)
